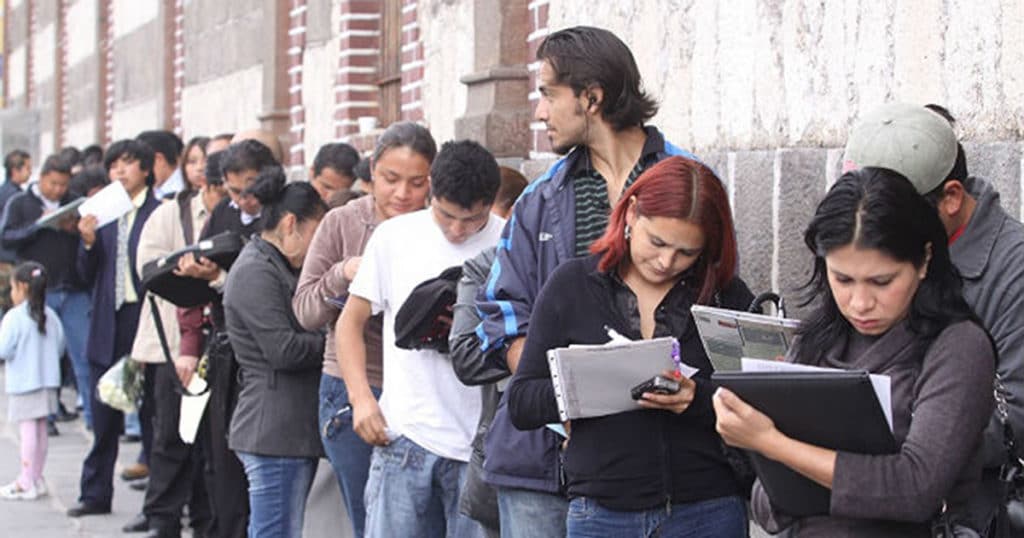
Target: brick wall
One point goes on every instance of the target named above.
(296, 112)
(356, 89)
(541, 147)
(412, 63)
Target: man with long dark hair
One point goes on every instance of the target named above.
(595, 112)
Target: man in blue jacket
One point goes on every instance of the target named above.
(594, 110)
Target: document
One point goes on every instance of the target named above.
(729, 335)
(594, 380)
(192, 408)
(53, 218)
(107, 205)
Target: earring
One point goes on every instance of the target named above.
(626, 232)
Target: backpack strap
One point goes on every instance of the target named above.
(162, 336)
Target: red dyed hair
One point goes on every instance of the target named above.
(679, 188)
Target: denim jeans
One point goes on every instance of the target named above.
(73, 308)
(414, 493)
(278, 487)
(525, 513)
(724, 517)
(348, 453)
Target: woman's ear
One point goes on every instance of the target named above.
(288, 224)
(631, 211)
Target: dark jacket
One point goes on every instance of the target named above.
(56, 250)
(539, 237)
(8, 190)
(640, 459)
(98, 266)
(941, 401)
(276, 414)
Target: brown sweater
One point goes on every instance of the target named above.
(341, 235)
(941, 402)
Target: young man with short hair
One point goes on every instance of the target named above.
(332, 169)
(426, 418)
(106, 261)
(167, 148)
(595, 111)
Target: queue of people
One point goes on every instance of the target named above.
(914, 276)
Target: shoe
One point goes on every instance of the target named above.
(51, 429)
(135, 471)
(130, 438)
(63, 415)
(139, 485)
(41, 487)
(15, 492)
(82, 509)
(163, 533)
(139, 523)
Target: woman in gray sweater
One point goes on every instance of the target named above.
(888, 301)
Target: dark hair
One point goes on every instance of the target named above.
(71, 155)
(56, 163)
(164, 143)
(15, 160)
(92, 156)
(246, 155)
(196, 141)
(513, 184)
(876, 208)
(277, 198)
(341, 197)
(584, 57)
(34, 274)
(133, 149)
(88, 179)
(214, 171)
(959, 170)
(362, 170)
(339, 156)
(405, 134)
(465, 173)
(679, 188)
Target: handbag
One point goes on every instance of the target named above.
(120, 387)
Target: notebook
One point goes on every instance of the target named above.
(729, 335)
(52, 219)
(594, 380)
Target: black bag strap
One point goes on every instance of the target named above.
(185, 213)
(768, 296)
(162, 336)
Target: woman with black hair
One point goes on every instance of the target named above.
(274, 427)
(888, 301)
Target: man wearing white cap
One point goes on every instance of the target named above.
(986, 244)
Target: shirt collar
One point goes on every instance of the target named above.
(140, 198)
(173, 185)
(247, 219)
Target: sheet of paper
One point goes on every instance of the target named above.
(881, 383)
(107, 205)
(192, 408)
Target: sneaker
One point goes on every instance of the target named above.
(15, 492)
(41, 487)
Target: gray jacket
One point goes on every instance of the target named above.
(279, 361)
(990, 257)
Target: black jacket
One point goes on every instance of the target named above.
(640, 459)
(56, 250)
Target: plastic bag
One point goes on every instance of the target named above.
(120, 387)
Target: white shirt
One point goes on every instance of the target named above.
(422, 399)
(173, 185)
(48, 204)
(246, 218)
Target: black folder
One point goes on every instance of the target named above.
(836, 410)
(158, 275)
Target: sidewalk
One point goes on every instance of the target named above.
(45, 517)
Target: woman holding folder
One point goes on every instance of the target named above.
(888, 301)
(659, 470)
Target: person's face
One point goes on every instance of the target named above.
(459, 223)
(661, 248)
(54, 185)
(129, 172)
(162, 168)
(19, 291)
(296, 238)
(329, 182)
(195, 167)
(212, 195)
(22, 174)
(236, 183)
(872, 290)
(401, 182)
(561, 111)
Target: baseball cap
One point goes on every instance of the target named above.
(908, 139)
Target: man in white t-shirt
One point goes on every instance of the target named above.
(426, 418)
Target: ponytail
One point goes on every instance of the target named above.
(33, 275)
(278, 197)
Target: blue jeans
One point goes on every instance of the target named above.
(414, 493)
(278, 488)
(525, 513)
(73, 309)
(348, 453)
(724, 517)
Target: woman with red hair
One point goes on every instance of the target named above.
(659, 470)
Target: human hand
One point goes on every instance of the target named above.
(87, 229)
(201, 268)
(369, 423)
(185, 367)
(351, 267)
(677, 402)
(739, 424)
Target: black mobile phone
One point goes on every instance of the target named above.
(658, 384)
